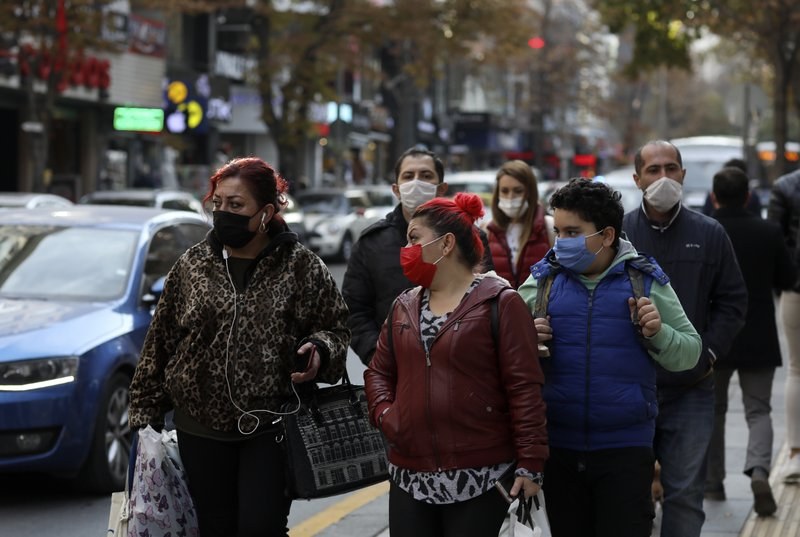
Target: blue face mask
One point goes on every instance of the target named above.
(571, 252)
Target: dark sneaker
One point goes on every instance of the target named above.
(763, 501)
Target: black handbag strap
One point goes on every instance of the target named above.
(313, 404)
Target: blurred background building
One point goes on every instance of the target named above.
(102, 94)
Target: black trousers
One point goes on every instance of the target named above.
(478, 517)
(603, 493)
(237, 487)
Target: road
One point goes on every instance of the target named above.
(35, 506)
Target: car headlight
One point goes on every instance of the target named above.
(35, 374)
(331, 228)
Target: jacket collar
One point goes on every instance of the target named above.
(733, 212)
(489, 286)
(659, 226)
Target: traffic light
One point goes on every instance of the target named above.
(536, 42)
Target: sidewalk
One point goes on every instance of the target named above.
(731, 518)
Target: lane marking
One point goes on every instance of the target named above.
(333, 514)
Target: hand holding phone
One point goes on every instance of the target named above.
(505, 483)
(306, 364)
(301, 361)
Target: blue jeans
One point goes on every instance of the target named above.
(683, 432)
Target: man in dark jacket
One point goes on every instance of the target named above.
(755, 352)
(374, 278)
(753, 202)
(697, 255)
(784, 209)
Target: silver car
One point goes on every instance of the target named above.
(178, 200)
(32, 200)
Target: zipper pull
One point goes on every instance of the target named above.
(428, 358)
(455, 328)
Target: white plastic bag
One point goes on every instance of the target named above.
(539, 515)
(527, 519)
(160, 504)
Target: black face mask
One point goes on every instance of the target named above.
(231, 228)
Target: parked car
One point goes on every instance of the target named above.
(77, 290)
(144, 197)
(622, 181)
(703, 156)
(335, 218)
(546, 189)
(295, 218)
(475, 182)
(31, 200)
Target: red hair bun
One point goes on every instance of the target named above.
(470, 204)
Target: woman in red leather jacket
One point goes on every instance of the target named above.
(519, 232)
(455, 384)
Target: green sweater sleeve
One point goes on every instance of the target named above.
(678, 343)
(528, 291)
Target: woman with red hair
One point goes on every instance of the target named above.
(455, 383)
(238, 312)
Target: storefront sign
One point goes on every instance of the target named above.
(138, 119)
(185, 107)
(147, 36)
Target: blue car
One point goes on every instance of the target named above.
(78, 287)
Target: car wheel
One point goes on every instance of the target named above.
(346, 248)
(106, 468)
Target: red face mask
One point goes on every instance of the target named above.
(415, 268)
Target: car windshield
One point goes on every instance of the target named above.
(323, 203)
(47, 262)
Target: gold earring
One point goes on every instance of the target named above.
(262, 227)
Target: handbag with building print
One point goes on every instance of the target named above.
(331, 448)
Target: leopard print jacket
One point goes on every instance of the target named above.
(201, 337)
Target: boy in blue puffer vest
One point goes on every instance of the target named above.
(600, 377)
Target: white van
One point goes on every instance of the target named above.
(703, 156)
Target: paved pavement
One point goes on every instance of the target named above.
(730, 518)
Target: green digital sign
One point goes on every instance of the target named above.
(138, 119)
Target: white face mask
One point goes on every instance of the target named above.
(415, 193)
(663, 194)
(513, 207)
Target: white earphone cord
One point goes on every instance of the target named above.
(250, 413)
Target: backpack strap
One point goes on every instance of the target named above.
(495, 318)
(543, 297)
(637, 283)
(389, 320)
(636, 278)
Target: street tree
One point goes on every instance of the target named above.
(302, 48)
(420, 41)
(665, 30)
(44, 43)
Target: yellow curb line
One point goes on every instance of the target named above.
(333, 514)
